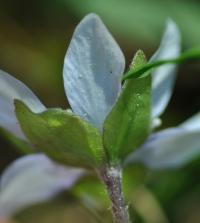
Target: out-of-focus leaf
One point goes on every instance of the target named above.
(92, 193)
(128, 123)
(141, 21)
(62, 136)
(147, 206)
(63, 209)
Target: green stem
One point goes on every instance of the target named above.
(193, 54)
(111, 177)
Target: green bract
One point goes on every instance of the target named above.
(62, 135)
(128, 124)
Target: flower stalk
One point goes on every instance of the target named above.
(112, 178)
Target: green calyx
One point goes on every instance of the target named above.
(63, 136)
(70, 140)
(128, 124)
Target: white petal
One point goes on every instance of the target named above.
(169, 148)
(163, 78)
(33, 179)
(93, 67)
(192, 123)
(10, 89)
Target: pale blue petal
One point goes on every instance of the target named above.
(163, 78)
(170, 148)
(192, 123)
(10, 89)
(92, 72)
(33, 179)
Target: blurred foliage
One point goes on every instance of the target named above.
(142, 20)
(62, 209)
(33, 39)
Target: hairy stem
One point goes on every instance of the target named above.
(111, 177)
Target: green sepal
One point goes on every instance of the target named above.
(128, 124)
(62, 135)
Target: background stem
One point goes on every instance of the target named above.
(111, 177)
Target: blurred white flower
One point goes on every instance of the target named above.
(93, 68)
(32, 179)
(170, 148)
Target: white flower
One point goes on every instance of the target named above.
(93, 69)
(170, 148)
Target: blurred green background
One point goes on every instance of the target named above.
(34, 36)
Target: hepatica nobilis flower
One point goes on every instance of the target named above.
(108, 125)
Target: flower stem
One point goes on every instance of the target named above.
(111, 177)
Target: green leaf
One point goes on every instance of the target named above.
(128, 124)
(62, 136)
(192, 54)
